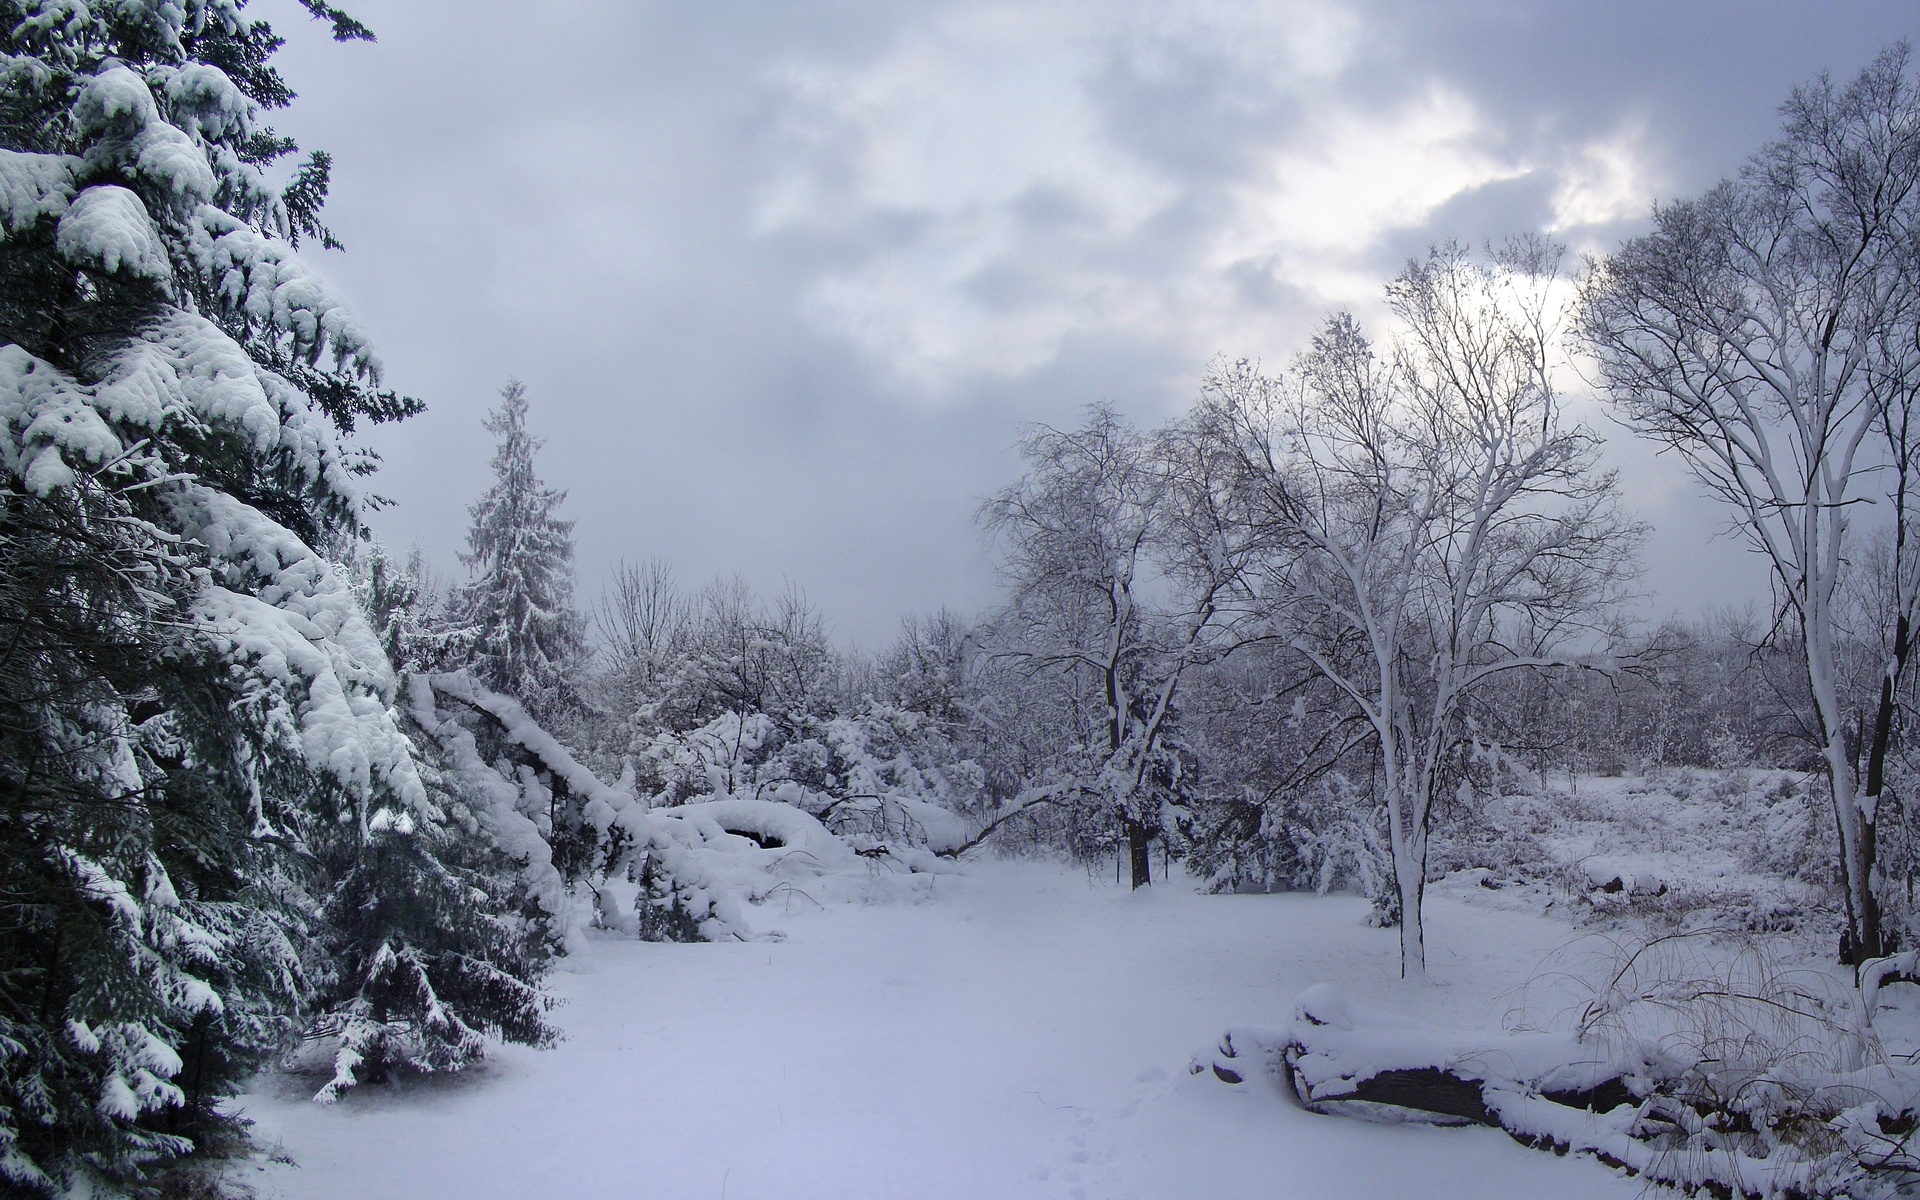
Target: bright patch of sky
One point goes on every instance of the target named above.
(1018, 201)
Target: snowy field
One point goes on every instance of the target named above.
(1025, 1033)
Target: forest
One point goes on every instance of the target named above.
(1361, 630)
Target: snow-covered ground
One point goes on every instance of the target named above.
(1024, 1033)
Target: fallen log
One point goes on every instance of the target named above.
(1637, 1107)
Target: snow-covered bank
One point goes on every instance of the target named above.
(1023, 1034)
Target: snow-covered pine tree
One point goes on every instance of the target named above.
(527, 636)
(143, 955)
(194, 710)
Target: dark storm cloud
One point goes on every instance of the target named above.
(784, 279)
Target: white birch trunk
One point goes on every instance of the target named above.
(1849, 818)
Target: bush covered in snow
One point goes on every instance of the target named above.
(667, 866)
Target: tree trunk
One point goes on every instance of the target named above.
(1407, 838)
(1851, 811)
(1137, 843)
(1412, 879)
(1876, 784)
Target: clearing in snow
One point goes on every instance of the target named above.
(1026, 1032)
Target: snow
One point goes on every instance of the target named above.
(33, 186)
(96, 883)
(108, 227)
(1351, 1042)
(114, 101)
(1022, 1033)
(116, 107)
(290, 613)
(783, 825)
(172, 161)
(1677, 848)
(264, 281)
(527, 733)
(181, 368)
(205, 93)
(513, 830)
(723, 854)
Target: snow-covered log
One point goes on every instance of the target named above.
(1877, 973)
(1756, 1130)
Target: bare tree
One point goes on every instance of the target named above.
(1118, 579)
(643, 623)
(643, 617)
(741, 655)
(1431, 520)
(925, 670)
(1769, 332)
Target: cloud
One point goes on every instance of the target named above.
(1352, 179)
(1604, 182)
(993, 182)
(964, 181)
(784, 278)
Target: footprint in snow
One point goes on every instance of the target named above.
(1090, 1162)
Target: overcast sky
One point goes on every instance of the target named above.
(783, 280)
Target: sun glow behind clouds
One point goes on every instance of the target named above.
(1348, 179)
(1357, 176)
(978, 193)
(1604, 182)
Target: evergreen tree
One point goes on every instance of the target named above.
(434, 940)
(409, 605)
(200, 760)
(527, 636)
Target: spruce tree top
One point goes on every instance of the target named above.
(519, 606)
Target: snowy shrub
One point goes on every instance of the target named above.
(1770, 1067)
(1326, 837)
(1499, 833)
(1900, 852)
(877, 776)
(725, 698)
(1787, 834)
(1275, 806)
(1657, 908)
(1239, 845)
(437, 934)
(720, 757)
(663, 871)
(661, 912)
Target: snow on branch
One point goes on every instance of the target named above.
(266, 284)
(274, 603)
